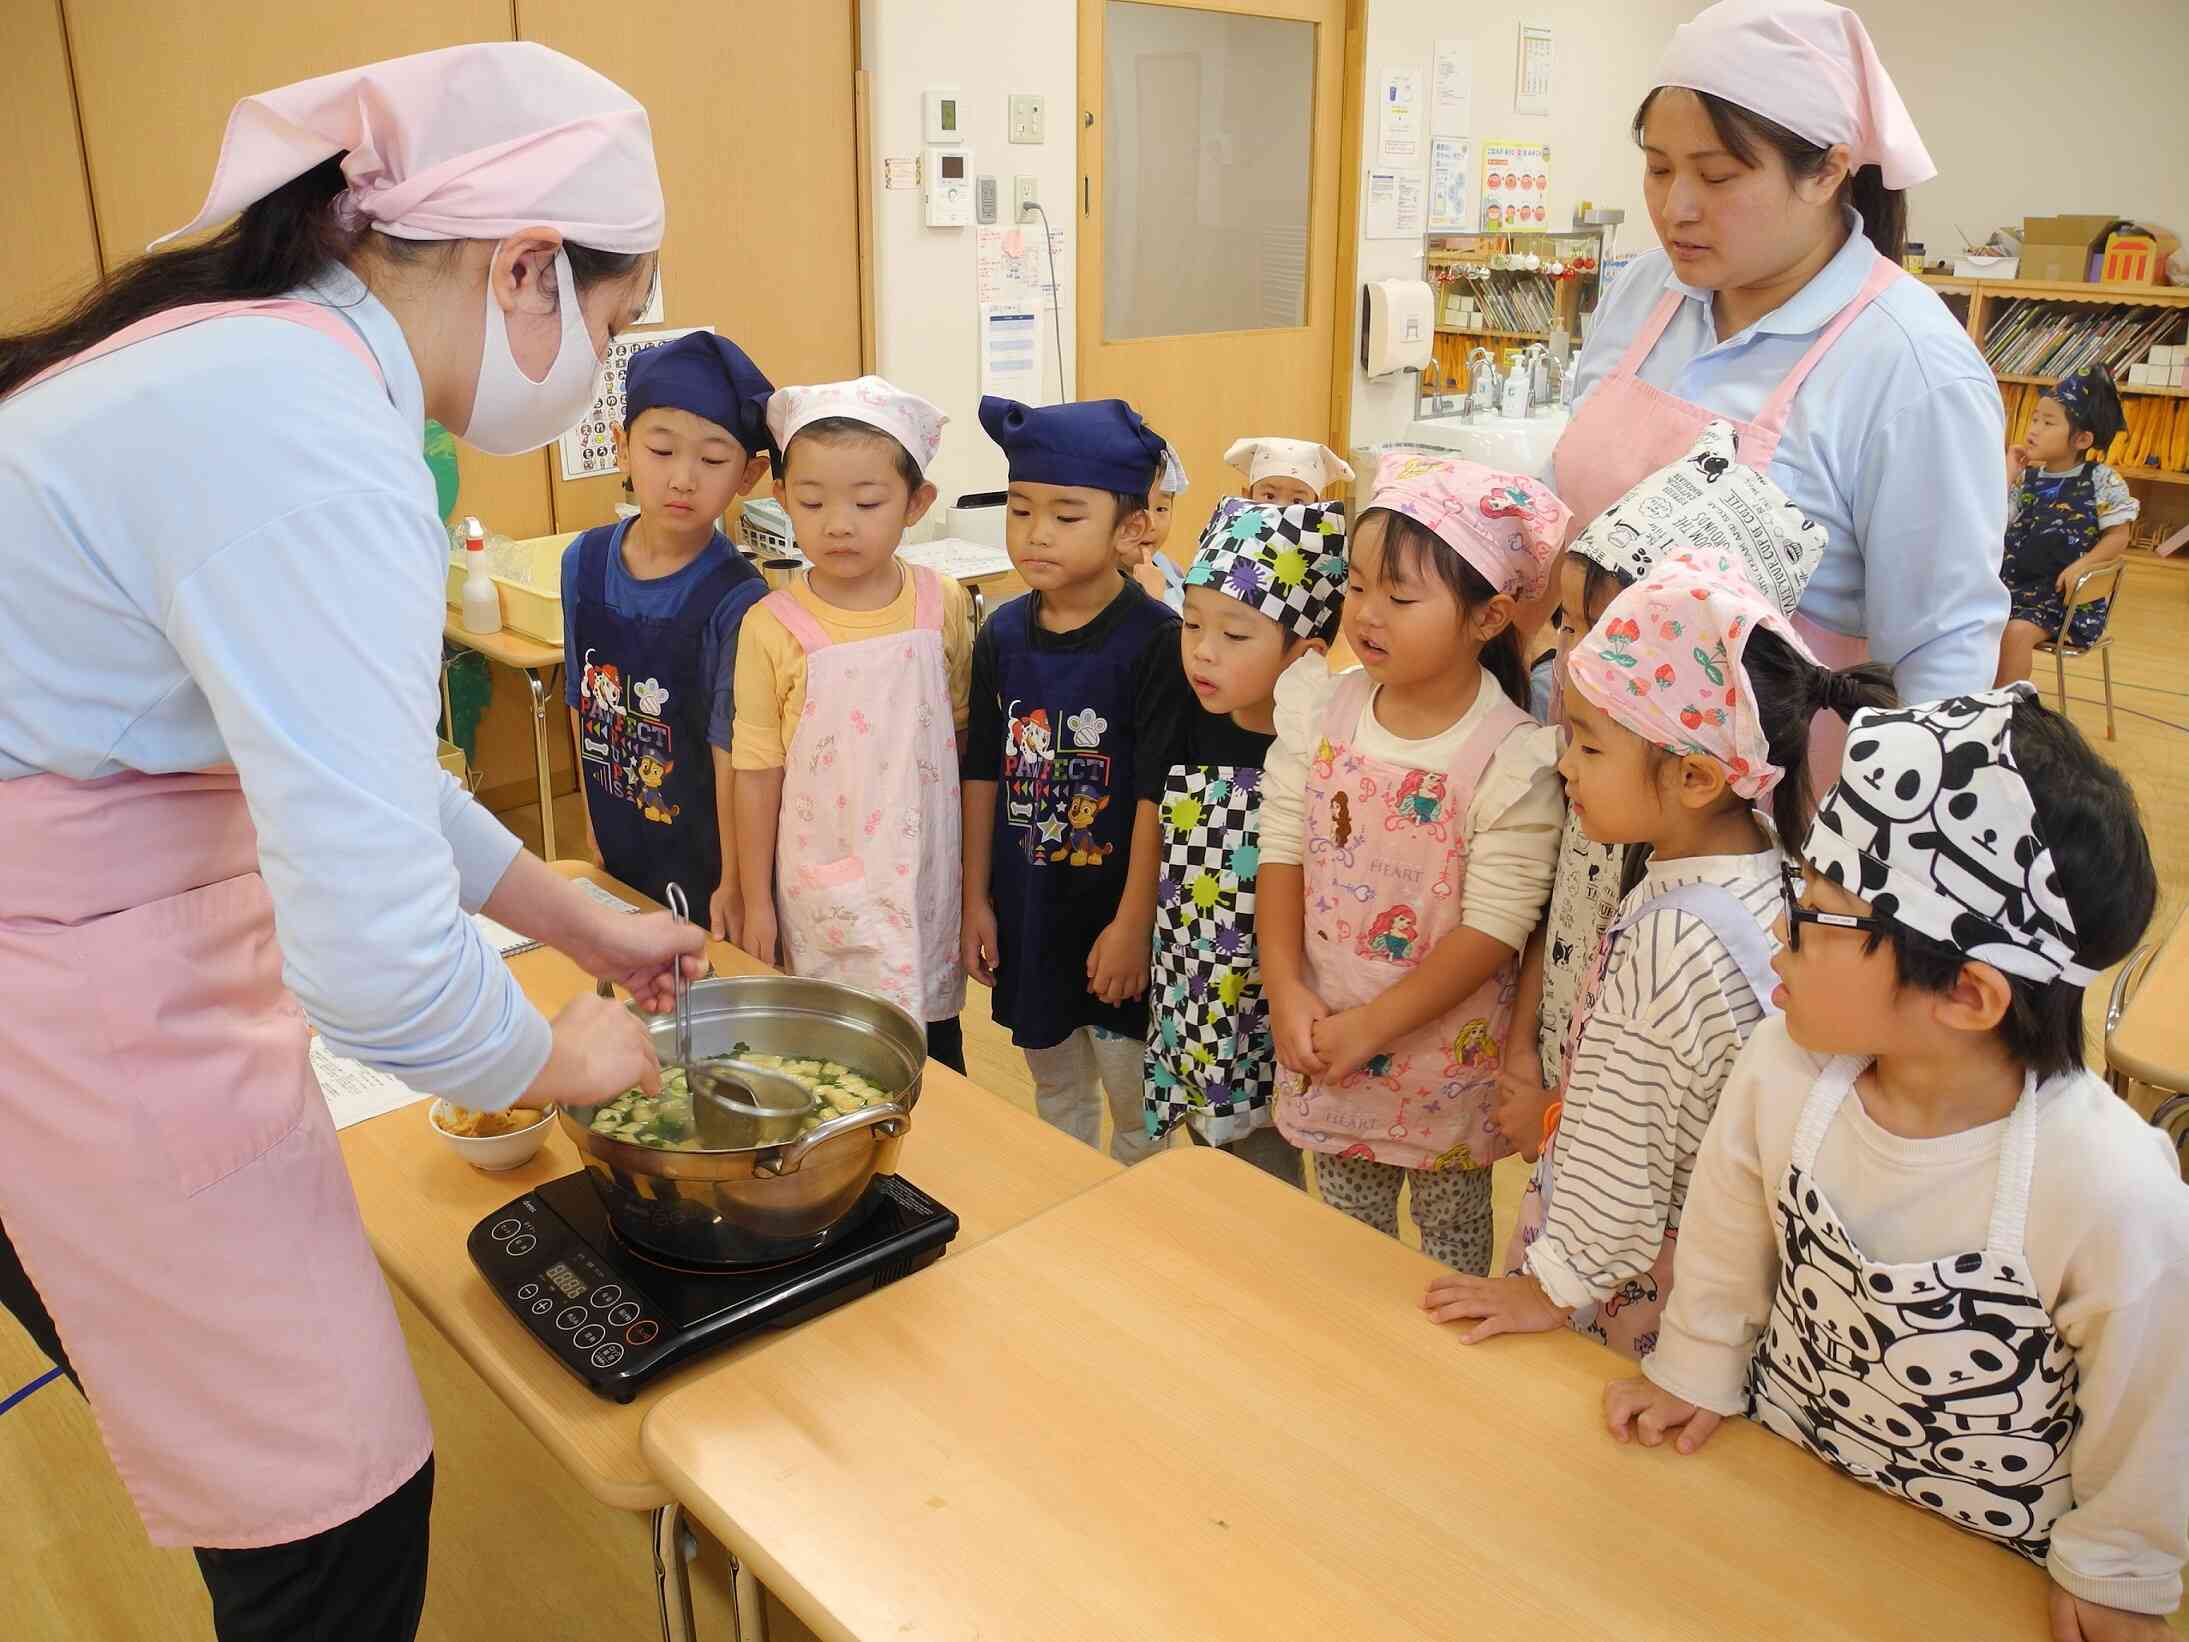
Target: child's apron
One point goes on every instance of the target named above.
(1385, 880)
(1944, 1381)
(1211, 1061)
(644, 699)
(170, 1175)
(868, 866)
(1626, 429)
(1627, 1320)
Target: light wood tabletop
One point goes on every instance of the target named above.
(976, 1154)
(2151, 1043)
(1195, 1403)
(510, 648)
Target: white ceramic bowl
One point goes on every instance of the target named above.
(495, 1153)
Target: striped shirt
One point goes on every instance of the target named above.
(1669, 1018)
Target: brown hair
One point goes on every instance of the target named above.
(1884, 211)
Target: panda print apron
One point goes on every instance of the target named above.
(1943, 1380)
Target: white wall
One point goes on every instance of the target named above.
(926, 321)
(1603, 52)
(2055, 107)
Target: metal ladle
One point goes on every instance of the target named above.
(735, 1106)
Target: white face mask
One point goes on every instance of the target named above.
(511, 413)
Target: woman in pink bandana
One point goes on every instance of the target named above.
(1777, 155)
(221, 645)
(1689, 708)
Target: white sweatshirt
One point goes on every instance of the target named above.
(2107, 1241)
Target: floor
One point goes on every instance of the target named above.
(519, 1552)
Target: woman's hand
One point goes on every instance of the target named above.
(1294, 1013)
(1496, 1305)
(635, 951)
(1640, 1409)
(2076, 1620)
(599, 1049)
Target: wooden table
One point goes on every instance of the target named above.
(2150, 1041)
(1195, 1403)
(538, 663)
(992, 1163)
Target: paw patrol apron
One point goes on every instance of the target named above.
(1385, 880)
(868, 866)
(1627, 1320)
(1627, 429)
(170, 1175)
(1943, 1381)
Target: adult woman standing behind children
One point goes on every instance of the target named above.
(650, 613)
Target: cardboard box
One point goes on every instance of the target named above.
(2137, 256)
(2059, 249)
(1969, 267)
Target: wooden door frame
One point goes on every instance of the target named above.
(1352, 74)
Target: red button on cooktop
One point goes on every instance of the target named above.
(642, 1332)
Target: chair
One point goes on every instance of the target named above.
(2145, 1036)
(2092, 585)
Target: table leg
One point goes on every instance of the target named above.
(448, 707)
(672, 1578)
(539, 755)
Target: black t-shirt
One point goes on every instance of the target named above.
(1202, 737)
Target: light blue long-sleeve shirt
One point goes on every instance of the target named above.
(220, 546)
(1896, 445)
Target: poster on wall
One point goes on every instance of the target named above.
(1516, 183)
(589, 449)
(1399, 131)
(1392, 205)
(1532, 70)
(1450, 167)
(1452, 97)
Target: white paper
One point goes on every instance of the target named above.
(898, 174)
(1394, 205)
(588, 450)
(354, 1092)
(1398, 130)
(1516, 181)
(1532, 70)
(1010, 351)
(614, 903)
(957, 558)
(504, 940)
(1453, 89)
(1451, 169)
(1012, 265)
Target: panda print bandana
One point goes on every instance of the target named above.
(1286, 562)
(1932, 824)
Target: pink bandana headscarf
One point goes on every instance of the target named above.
(472, 142)
(1807, 66)
(1506, 525)
(1666, 662)
(905, 417)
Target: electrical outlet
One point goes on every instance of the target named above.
(1025, 192)
(1027, 118)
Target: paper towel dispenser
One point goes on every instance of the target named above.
(1398, 326)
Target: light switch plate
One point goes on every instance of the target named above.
(1028, 117)
(984, 201)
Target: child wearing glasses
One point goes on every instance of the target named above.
(1688, 705)
(1924, 1243)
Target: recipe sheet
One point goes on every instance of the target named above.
(355, 1092)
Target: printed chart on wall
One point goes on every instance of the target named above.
(1451, 176)
(1012, 265)
(1516, 182)
(588, 450)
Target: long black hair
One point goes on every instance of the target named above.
(280, 242)
(1884, 211)
(1408, 546)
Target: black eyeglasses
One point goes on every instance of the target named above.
(1790, 885)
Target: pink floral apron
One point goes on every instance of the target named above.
(1627, 1320)
(1385, 880)
(171, 1177)
(1627, 429)
(868, 865)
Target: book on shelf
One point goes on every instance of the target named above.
(2039, 338)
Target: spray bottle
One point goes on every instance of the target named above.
(482, 599)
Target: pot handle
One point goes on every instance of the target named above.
(887, 1118)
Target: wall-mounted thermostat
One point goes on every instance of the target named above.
(946, 178)
(941, 108)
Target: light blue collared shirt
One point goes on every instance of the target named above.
(220, 546)
(1896, 445)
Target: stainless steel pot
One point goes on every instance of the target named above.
(761, 1204)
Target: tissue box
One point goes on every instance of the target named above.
(1983, 267)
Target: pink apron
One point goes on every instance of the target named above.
(171, 1177)
(1626, 430)
(1385, 880)
(868, 868)
(1627, 1320)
